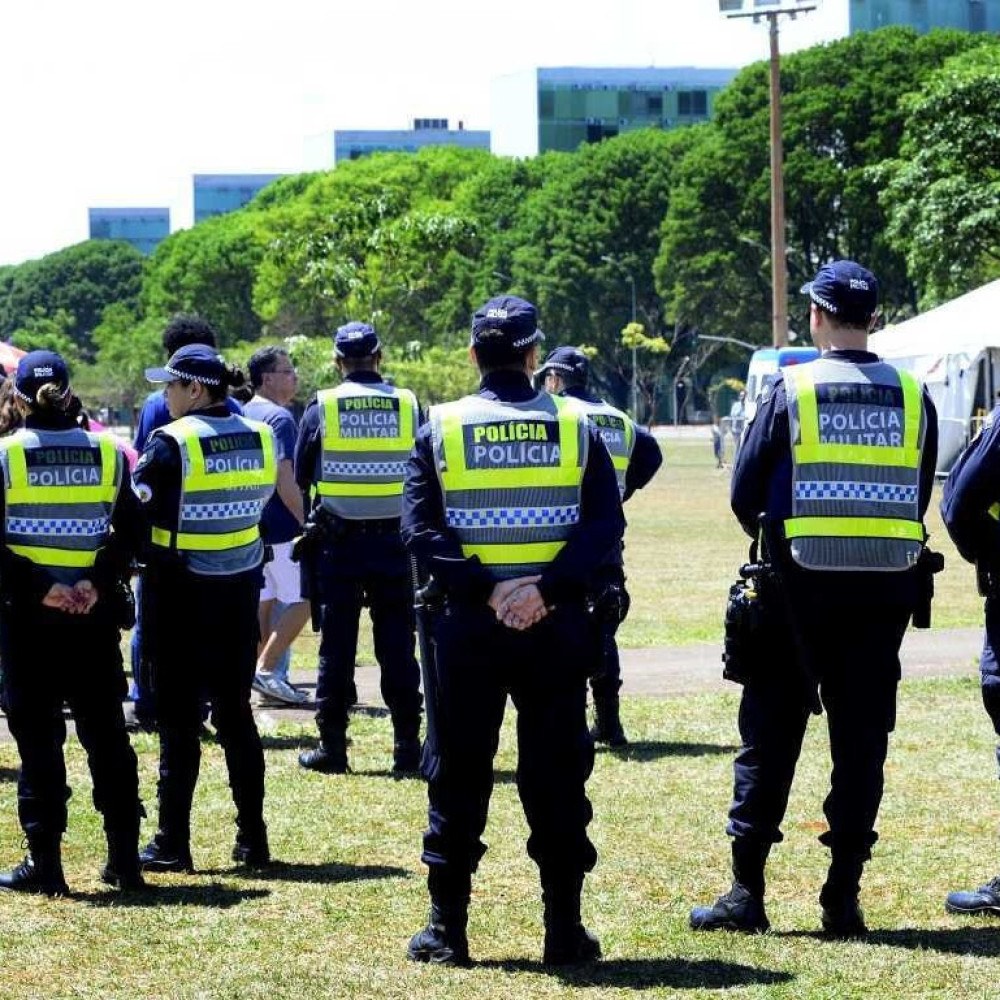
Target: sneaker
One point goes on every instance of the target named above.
(36, 874)
(159, 855)
(985, 899)
(278, 688)
(737, 910)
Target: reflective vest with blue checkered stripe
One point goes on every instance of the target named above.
(60, 489)
(617, 432)
(511, 475)
(367, 430)
(857, 435)
(228, 473)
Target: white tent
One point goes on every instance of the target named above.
(955, 350)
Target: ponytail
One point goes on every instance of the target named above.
(51, 398)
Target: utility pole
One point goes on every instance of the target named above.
(772, 10)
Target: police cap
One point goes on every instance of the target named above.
(191, 363)
(356, 340)
(38, 368)
(569, 362)
(504, 329)
(846, 290)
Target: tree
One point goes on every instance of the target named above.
(44, 332)
(651, 355)
(210, 270)
(80, 280)
(126, 346)
(841, 114)
(590, 230)
(943, 191)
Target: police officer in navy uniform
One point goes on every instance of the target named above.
(69, 530)
(636, 457)
(202, 482)
(350, 458)
(971, 510)
(840, 455)
(511, 504)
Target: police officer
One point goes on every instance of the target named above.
(971, 511)
(69, 526)
(840, 455)
(636, 457)
(511, 504)
(202, 481)
(350, 457)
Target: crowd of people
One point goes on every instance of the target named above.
(502, 513)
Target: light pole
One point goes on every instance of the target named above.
(630, 278)
(773, 10)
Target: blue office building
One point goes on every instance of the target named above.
(967, 15)
(560, 108)
(143, 228)
(216, 194)
(352, 144)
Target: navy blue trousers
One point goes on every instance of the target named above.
(201, 634)
(855, 659)
(51, 658)
(543, 670)
(367, 568)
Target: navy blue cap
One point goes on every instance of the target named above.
(192, 363)
(37, 368)
(504, 328)
(570, 362)
(356, 340)
(846, 290)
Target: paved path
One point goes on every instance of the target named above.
(662, 671)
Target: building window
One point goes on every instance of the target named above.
(692, 103)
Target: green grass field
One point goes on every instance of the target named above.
(333, 920)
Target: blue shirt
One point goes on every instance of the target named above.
(155, 414)
(277, 524)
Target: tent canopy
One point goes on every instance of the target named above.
(966, 325)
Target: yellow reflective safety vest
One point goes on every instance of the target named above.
(617, 431)
(367, 430)
(228, 473)
(60, 489)
(857, 435)
(511, 475)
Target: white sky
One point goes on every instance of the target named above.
(118, 102)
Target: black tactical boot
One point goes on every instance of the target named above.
(251, 848)
(742, 908)
(40, 871)
(607, 721)
(444, 940)
(737, 910)
(122, 867)
(406, 751)
(330, 757)
(567, 941)
(842, 916)
(163, 854)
